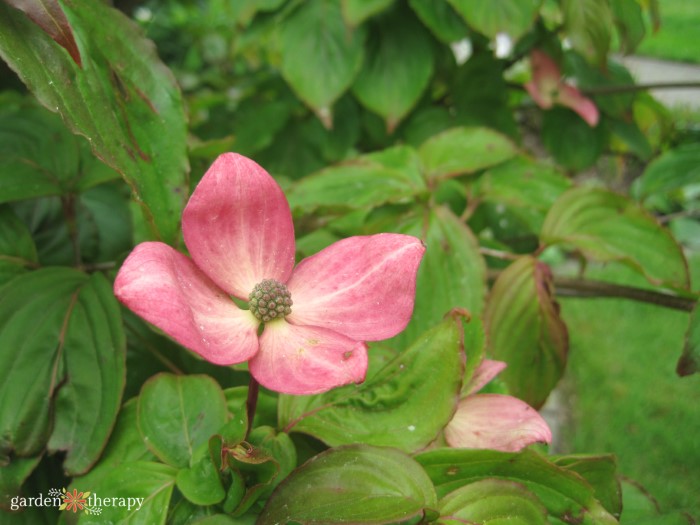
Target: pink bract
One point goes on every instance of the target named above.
(547, 88)
(238, 229)
(494, 421)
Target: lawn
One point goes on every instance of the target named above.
(627, 398)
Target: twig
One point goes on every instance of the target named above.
(630, 88)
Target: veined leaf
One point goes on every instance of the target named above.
(608, 227)
(61, 331)
(123, 100)
(512, 17)
(526, 331)
(353, 484)
(17, 249)
(588, 24)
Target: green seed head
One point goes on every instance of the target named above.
(270, 300)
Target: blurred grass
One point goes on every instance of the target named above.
(677, 39)
(628, 399)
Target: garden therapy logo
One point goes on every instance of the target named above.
(75, 501)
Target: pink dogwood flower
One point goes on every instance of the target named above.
(547, 89)
(494, 421)
(316, 316)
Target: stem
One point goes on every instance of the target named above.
(611, 90)
(252, 402)
(584, 288)
(69, 214)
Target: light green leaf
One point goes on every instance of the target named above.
(565, 494)
(492, 501)
(177, 414)
(601, 473)
(200, 483)
(526, 331)
(353, 484)
(588, 24)
(460, 151)
(357, 11)
(442, 20)
(451, 275)
(17, 250)
(513, 17)
(397, 68)
(629, 22)
(320, 55)
(122, 99)
(389, 176)
(146, 489)
(605, 226)
(689, 363)
(394, 407)
(62, 332)
(669, 174)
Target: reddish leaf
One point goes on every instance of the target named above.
(49, 16)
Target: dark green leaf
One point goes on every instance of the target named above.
(123, 99)
(629, 22)
(389, 83)
(451, 275)
(357, 11)
(146, 489)
(630, 138)
(608, 227)
(526, 331)
(17, 250)
(200, 483)
(394, 407)
(177, 414)
(460, 151)
(689, 363)
(442, 20)
(492, 501)
(576, 149)
(565, 494)
(669, 174)
(588, 24)
(320, 56)
(513, 17)
(49, 16)
(352, 484)
(39, 156)
(62, 332)
(601, 473)
(388, 176)
(13, 474)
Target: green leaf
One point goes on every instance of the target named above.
(177, 414)
(442, 20)
(492, 501)
(526, 331)
(628, 137)
(39, 156)
(513, 17)
(389, 176)
(689, 363)
(629, 22)
(524, 184)
(601, 473)
(668, 174)
(200, 483)
(588, 24)
(388, 83)
(352, 484)
(605, 226)
(451, 275)
(13, 474)
(146, 489)
(123, 99)
(62, 332)
(49, 16)
(17, 250)
(394, 407)
(357, 11)
(579, 147)
(565, 494)
(460, 151)
(320, 56)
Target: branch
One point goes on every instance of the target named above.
(612, 90)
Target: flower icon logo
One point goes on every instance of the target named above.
(74, 501)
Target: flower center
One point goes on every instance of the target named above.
(270, 300)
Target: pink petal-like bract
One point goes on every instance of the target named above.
(484, 373)
(496, 421)
(572, 98)
(168, 290)
(238, 227)
(306, 359)
(361, 287)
